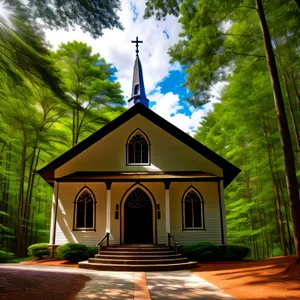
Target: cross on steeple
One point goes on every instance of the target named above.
(137, 45)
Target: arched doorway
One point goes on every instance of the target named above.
(138, 218)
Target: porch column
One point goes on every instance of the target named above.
(108, 202)
(167, 201)
(54, 217)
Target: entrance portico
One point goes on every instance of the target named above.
(125, 201)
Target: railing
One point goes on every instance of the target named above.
(99, 244)
(170, 240)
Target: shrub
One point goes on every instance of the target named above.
(4, 256)
(75, 252)
(39, 251)
(206, 251)
(91, 251)
(234, 252)
(202, 251)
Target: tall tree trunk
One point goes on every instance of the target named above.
(276, 187)
(20, 241)
(294, 124)
(30, 192)
(293, 80)
(286, 144)
(280, 219)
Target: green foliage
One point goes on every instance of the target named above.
(92, 16)
(75, 252)
(39, 251)
(206, 251)
(162, 8)
(222, 41)
(234, 252)
(202, 251)
(24, 56)
(93, 96)
(91, 252)
(5, 256)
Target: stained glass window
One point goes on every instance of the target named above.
(193, 210)
(138, 150)
(85, 211)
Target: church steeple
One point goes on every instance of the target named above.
(138, 93)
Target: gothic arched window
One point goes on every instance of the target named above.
(138, 149)
(193, 209)
(85, 210)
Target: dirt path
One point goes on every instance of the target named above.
(35, 285)
(258, 280)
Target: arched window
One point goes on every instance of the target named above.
(193, 209)
(138, 149)
(85, 210)
(136, 89)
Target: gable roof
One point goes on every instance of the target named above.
(229, 170)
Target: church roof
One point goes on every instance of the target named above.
(229, 170)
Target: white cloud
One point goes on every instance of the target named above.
(167, 106)
(116, 47)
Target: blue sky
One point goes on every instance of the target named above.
(163, 81)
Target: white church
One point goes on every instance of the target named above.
(138, 183)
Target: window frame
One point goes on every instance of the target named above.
(184, 228)
(138, 131)
(93, 228)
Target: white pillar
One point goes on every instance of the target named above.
(167, 201)
(54, 214)
(108, 201)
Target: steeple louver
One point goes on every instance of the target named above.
(138, 93)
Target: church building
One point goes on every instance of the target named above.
(138, 180)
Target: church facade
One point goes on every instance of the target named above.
(140, 179)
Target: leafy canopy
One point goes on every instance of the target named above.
(92, 16)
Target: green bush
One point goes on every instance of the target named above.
(4, 256)
(39, 251)
(75, 252)
(234, 252)
(201, 251)
(91, 251)
(206, 251)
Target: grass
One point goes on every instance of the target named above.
(16, 260)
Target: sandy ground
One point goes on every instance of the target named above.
(51, 262)
(34, 285)
(270, 279)
(273, 279)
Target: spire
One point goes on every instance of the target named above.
(138, 93)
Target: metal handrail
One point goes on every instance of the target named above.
(102, 240)
(171, 238)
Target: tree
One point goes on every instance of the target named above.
(162, 8)
(243, 129)
(208, 48)
(23, 55)
(86, 80)
(92, 16)
(286, 143)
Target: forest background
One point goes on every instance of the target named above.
(50, 101)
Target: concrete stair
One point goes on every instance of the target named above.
(138, 258)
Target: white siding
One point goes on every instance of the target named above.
(212, 232)
(68, 192)
(167, 153)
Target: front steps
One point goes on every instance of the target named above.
(138, 258)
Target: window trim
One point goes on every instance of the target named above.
(138, 130)
(183, 210)
(93, 228)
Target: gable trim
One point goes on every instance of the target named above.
(229, 170)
